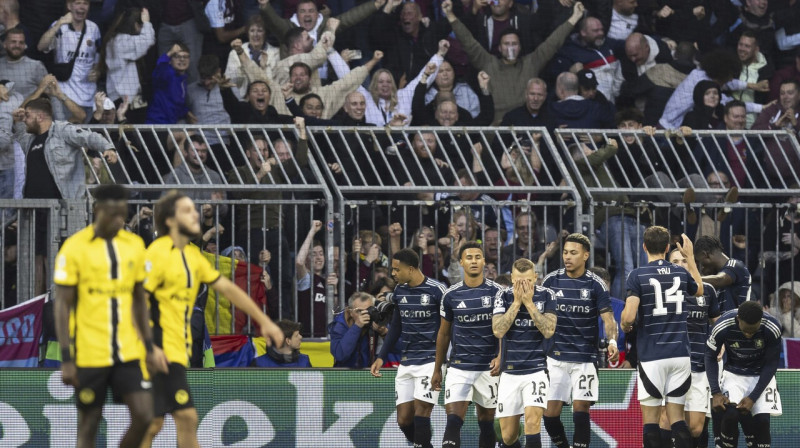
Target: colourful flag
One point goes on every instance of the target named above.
(233, 350)
(218, 318)
(22, 329)
(208, 351)
(791, 352)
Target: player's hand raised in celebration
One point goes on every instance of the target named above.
(375, 370)
(687, 248)
(718, 402)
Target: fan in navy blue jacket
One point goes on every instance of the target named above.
(289, 354)
(575, 111)
(354, 338)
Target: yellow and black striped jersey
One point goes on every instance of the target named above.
(173, 278)
(105, 273)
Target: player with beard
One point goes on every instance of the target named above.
(474, 365)
(175, 269)
(571, 362)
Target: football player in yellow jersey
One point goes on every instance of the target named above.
(101, 318)
(175, 269)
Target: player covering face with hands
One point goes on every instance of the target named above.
(523, 317)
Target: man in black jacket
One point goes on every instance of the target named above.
(487, 28)
(407, 43)
(256, 110)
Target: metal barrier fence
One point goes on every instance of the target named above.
(425, 179)
(513, 189)
(684, 183)
(258, 184)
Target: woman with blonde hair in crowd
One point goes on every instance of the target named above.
(384, 99)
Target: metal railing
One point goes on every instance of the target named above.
(432, 173)
(484, 181)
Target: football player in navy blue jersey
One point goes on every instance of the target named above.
(703, 312)
(752, 341)
(524, 316)
(466, 312)
(580, 296)
(417, 299)
(728, 276)
(656, 293)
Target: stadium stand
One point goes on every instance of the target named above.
(615, 116)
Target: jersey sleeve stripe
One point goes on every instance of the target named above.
(773, 327)
(722, 326)
(552, 274)
(597, 278)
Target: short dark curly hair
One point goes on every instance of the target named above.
(721, 65)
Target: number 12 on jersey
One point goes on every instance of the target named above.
(671, 295)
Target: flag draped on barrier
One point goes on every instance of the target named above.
(233, 350)
(20, 330)
(218, 318)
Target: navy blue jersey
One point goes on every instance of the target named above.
(419, 320)
(578, 303)
(470, 311)
(524, 348)
(733, 296)
(746, 356)
(701, 309)
(661, 329)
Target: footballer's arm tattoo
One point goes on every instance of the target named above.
(501, 323)
(545, 322)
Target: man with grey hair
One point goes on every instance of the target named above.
(354, 337)
(574, 111)
(532, 113)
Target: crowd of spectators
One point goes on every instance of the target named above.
(626, 65)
